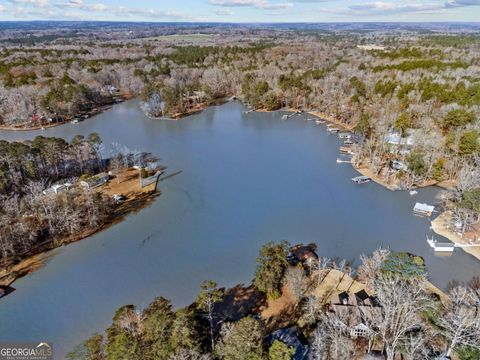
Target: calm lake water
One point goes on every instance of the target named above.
(247, 179)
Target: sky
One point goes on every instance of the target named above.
(243, 10)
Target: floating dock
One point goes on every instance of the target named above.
(361, 179)
(346, 150)
(333, 130)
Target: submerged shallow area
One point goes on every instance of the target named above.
(246, 179)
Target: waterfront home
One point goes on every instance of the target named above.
(398, 165)
(304, 254)
(423, 209)
(395, 139)
(58, 188)
(371, 47)
(95, 181)
(357, 309)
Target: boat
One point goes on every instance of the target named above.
(413, 192)
(339, 161)
(361, 179)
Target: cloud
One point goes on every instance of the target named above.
(36, 3)
(31, 13)
(80, 5)
(2, 8)
(151, 13)
(461, 3)
(384, 8)
(97, 7)
(380, 7)
(224, 12)
(258, 4)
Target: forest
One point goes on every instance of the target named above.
(295, 309)
(43, 203)
(411, 96)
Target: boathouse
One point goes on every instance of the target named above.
(423, 209)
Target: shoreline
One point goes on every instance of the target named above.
(366, 170)
(136, 201)
(101, 109)
(440, 227)
(332, 120)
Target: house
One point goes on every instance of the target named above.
(95, 181)
(289, 337)
(395, 138)
(58, 188)
(423, 209)
(398, 165)
(37, 118)
(356, 309)
(303, 254)
(112, 90)
(371, 47)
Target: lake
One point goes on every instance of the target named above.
(247, 179)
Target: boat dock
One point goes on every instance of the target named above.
(423, 209)
(333, 130)
(440, 247)
(447, 247)
(346, 150)
(361, 179)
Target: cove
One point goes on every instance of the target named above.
(247, 179)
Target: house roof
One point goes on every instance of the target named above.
(423, 207)
(303, 253)
(289, 337)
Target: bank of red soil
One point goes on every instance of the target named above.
(127, 184)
